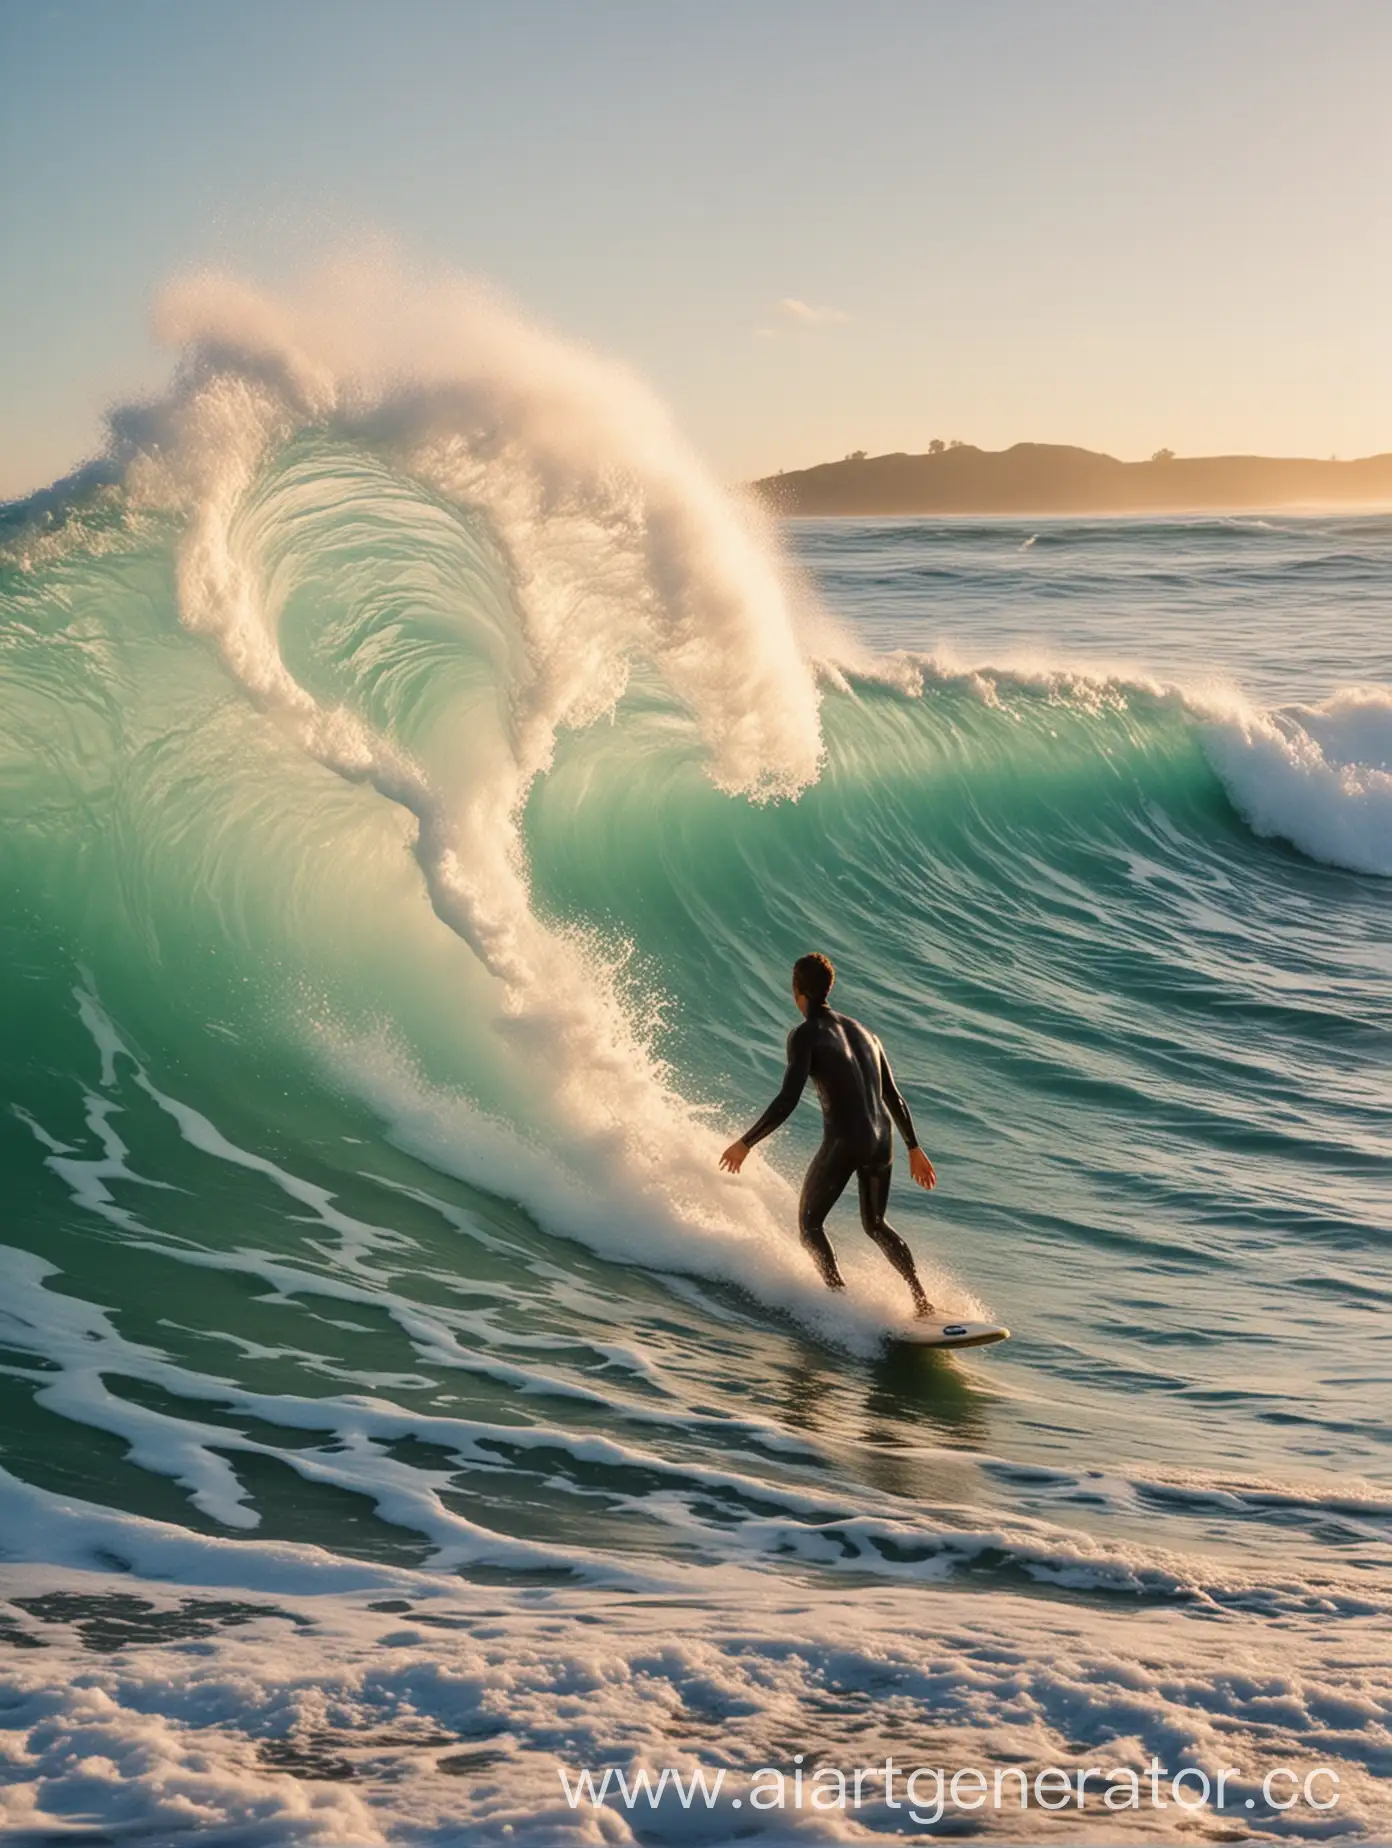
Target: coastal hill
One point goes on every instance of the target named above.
(1057, 478)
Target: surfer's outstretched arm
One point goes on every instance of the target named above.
(794, 1083)
(919, 1165)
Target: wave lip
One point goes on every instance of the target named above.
(1319, 777)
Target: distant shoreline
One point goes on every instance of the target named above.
(1045, 478)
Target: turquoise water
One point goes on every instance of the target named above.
(403, 865)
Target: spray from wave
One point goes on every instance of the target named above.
(621, 553)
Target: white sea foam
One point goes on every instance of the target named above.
(298, 1712)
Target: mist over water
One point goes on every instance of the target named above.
(418, 777)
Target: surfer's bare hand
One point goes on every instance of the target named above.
(922, 1169)
(734, 1157)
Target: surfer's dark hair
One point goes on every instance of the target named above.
(813, 976)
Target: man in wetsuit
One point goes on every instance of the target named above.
(859, 1097)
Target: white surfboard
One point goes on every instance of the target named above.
(948, 1334)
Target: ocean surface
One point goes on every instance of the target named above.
(413, 801)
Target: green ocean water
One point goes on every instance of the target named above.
(402, 864)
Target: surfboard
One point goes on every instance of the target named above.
(949, 1334)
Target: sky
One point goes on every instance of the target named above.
(813, 227)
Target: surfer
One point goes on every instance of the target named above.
(859, 1098)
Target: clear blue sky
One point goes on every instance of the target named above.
(1115, 224)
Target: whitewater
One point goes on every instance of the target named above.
(419, 773)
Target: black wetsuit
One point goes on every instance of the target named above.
(860, 1104)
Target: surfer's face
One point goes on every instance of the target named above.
(800, 998)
